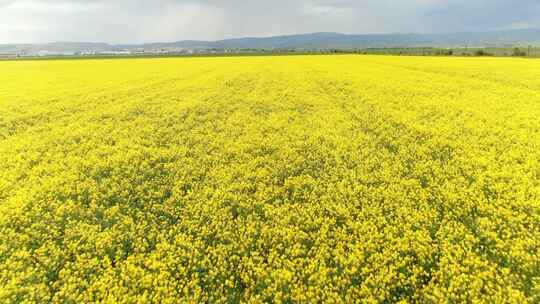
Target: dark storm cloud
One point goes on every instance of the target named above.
(168, 20)
(462, 15)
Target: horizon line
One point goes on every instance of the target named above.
(272, 36)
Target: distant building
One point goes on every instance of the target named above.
(116, 53)
(88, 53)
(7, 55)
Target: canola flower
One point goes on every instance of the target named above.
(306, 179)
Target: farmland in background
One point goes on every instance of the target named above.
(270, 179)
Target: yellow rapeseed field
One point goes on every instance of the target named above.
(270, 179)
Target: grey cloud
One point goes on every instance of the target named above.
(125, 21)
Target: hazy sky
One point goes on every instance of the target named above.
(135, 21)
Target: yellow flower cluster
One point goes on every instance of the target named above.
(305, 179)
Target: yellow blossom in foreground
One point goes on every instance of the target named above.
(307, 179)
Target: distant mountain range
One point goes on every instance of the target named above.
(303, 41)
